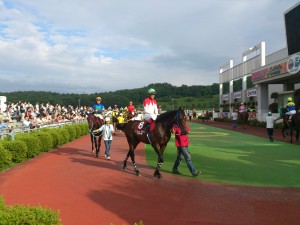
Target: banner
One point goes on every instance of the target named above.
(294, 64)
(225, 97)
(251, 92)
(237, 95)
(269, 72)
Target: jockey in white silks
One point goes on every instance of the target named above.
(150, 108)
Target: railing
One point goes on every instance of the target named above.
(20, 128)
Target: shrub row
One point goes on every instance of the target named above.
(19, 214)
(30, 145)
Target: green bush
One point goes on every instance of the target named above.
(79, 131)
(17, 148)
(19, 214)
(54, 135)
(72, 131)
(32, 143)
(45, 138)
(64, 135)
(5, 157)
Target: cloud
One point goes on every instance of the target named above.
(79, 47)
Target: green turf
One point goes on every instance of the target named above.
(233, 158)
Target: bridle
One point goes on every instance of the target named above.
(176, 120)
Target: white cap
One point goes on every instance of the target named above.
(107, 119)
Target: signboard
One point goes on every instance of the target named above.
(237, 95)
(251, 92)
(294, 64)
(225, 97)
(269, 72)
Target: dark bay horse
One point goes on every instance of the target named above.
(243, 118)
(95, 123)
(290, 126)
(159, 136)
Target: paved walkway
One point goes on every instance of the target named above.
(91, 191)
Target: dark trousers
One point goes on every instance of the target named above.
(270, 133)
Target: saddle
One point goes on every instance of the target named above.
(149, 128)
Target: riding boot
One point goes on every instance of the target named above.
(146, 125)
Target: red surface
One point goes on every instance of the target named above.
(91, 191)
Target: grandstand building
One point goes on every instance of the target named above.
(262, 82)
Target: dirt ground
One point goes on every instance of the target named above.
(91, 191)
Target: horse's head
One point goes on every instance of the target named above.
(173, 117)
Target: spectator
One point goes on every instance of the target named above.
(234, 117)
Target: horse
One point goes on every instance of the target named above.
(158, 136)
(243, 118)
(94, 123)
(289, 126)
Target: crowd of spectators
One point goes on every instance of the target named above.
(29, 115)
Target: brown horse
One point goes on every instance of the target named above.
(243, 118)
(158, 137)
(95, 123)
(290, 126)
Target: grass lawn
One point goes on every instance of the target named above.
(233, 158)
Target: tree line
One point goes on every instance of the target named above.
(165, 93)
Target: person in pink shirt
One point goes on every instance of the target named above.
(242, 108)
(182, 144)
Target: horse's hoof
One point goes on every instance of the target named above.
(124, 168)
(138, 173)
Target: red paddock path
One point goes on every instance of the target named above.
(91, 191)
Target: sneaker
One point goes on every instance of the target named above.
(196, 173)
(107, 157)
(176, 172)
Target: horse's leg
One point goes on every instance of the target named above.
(159, 164)
(97, 145)
(297, 135)
(291, 141)
(125, 160)
(92, 141)
(137, 172)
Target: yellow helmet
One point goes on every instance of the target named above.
(242, 103)
(98, 98)
(290, 99)
(130, 102)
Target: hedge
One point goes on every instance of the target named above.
(20, 214)
(33, 144)
(45, 138)
(17, 148)
(5, 156)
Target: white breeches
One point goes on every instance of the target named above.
(292, 112)
(150, 116)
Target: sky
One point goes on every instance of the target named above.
(84, 47)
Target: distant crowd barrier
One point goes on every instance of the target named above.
(15, 128)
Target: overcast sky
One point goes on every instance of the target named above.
(75, 46)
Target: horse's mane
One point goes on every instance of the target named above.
(164, 116)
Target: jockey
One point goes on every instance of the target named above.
(242, 108)
(290, 107)
(98, 108)
(150, 108)
(131, 108)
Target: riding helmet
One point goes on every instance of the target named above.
(290, 99)
(98, 98)
(151, 91)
